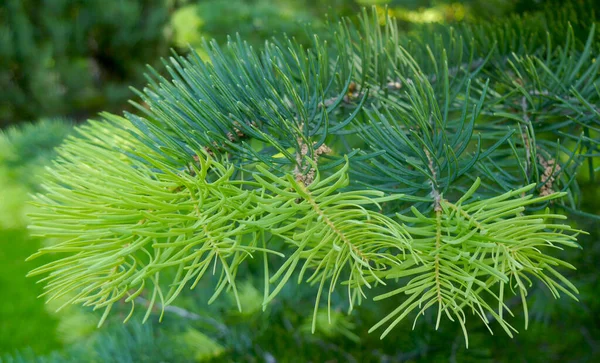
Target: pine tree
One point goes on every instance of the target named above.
(73, 57)
(429, 172)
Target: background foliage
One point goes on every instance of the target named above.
(63, 59)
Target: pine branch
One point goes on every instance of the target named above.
(467, 256)
(343, 160)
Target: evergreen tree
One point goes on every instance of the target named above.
(425, 175)
(75, 57)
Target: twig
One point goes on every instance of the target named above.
(557, 97)
(184, 313)
(551, 171)
(353, 91)
(525, 135)
(437, 207)
(589, 339)
(437, 198)
(332, 347)
(306, 173)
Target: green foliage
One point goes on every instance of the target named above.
(471, 254)
(23, 315)
(125, 344)
(490, 76)
(71, 57)
(30, 146)
(24, 151)
(254, 20)
(303, 153)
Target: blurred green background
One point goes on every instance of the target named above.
(62, 61)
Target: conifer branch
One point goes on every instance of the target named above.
(341, 168)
